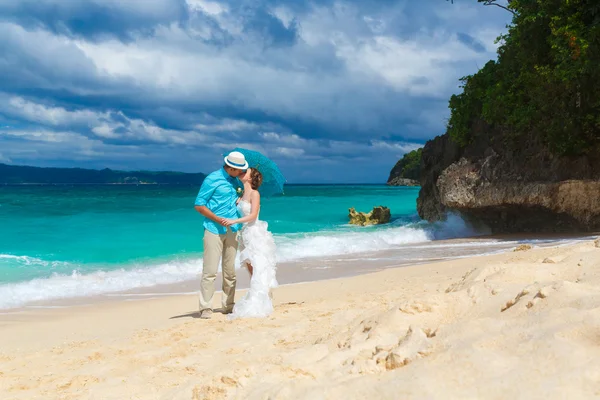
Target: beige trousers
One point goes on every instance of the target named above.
(217, 247)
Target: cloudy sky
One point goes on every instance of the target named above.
(334, 91)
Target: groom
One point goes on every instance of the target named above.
(216, 200)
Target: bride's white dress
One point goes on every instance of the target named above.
(257, 248)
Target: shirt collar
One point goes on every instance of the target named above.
(235, 181)
(226, 175)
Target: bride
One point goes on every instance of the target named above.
(257, 251)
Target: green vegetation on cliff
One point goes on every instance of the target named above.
(409, 166)
(13, 174)
(545, 85)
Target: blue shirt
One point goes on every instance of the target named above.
(218, 193)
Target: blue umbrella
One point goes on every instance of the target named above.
(273, 179)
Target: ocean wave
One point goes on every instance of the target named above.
(15, 295)
(290, 248)
(31, 261)
(338, 243)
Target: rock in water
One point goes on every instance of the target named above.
(379, 215)
(523, 247)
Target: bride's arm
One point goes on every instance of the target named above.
(255, 197)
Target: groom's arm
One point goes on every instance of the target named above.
(208, 214)
(206, 191)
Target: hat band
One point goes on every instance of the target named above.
(235, 164)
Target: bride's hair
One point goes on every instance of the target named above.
(256, 179)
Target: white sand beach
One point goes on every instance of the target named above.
(522, 324)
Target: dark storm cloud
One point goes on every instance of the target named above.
(155, 83)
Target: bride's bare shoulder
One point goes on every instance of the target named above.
(251, 197)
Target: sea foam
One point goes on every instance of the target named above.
(290, 248)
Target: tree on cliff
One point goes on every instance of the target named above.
(546, 83)
(408, 167)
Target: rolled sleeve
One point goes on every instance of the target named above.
(206, 191)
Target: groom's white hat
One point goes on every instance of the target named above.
(236, 160)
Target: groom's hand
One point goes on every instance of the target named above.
(226, 222)
(209, 214)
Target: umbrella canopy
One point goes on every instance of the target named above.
(273, 179)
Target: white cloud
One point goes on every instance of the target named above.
(377, 25)
(47, 136)
(105, 131)
(292, 153)
(116, 125)
(289, 152)
(398, 148)
(349, 77)
(282, 145)
(4, 159)
(487, 37)
(173, 64)
(208, 7)
(141, 8)
(226, 125)
(418, 67)
(39, 49)
(284, 14)
(54, 116)
(38, 145)
(290, 140)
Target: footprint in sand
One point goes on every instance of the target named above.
(20, 387)
(415, 344)
(416, 307)
(509, 304)
(81, 345)
(287, 343)
(145, 335)
(208, 392)
(177, 336)
(190, 370)
(540, 293)
(78, 382)
(298, 373)
(228, 381)
(95, 356)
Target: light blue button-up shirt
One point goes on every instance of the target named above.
(218, 194)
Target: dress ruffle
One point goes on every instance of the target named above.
(257, 247)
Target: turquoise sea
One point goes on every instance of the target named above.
(68, 241)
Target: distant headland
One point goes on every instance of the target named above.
(25, 175)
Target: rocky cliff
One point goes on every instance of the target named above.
(397, 181)
(509, 186)
(534, 164)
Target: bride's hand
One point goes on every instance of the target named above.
(227, 222)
